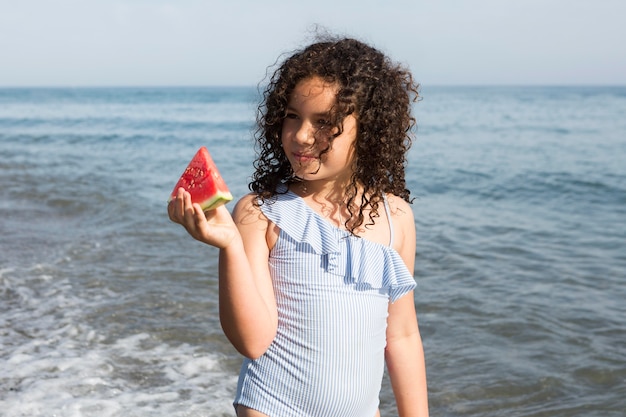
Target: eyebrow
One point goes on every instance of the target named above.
(318, 114)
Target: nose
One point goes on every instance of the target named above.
(305, 134)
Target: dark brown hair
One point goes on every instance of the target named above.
(378, 92)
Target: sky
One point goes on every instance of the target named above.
(233, 42)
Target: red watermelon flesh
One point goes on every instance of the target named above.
(204, 182)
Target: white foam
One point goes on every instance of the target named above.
(55, 364)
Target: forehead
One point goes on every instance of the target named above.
(313, 94)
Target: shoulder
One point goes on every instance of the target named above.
(251, 220)
(400, 210)
(247, 212)
(403, 222)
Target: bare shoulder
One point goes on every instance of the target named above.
(247, 212)
(250, 220)
(401, 210)
(404, 228)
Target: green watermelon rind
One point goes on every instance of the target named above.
(218, 200)
(212, 203)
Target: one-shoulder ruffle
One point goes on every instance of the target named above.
(365, 264)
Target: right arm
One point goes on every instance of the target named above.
(247, 304)
(246, 297)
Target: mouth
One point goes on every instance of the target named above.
(303, 158)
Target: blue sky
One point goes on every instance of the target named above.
(232, 42)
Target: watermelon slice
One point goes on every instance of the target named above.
(204, 182)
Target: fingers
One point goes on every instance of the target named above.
(191, 215)
(197, 215)
(181, 210)
(176, 206)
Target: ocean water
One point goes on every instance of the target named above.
(109, 309)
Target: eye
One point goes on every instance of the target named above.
(322, 123)
(291, 115)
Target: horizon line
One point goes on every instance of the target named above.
(421, 85)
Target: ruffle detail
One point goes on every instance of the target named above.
(375, 266)
(367, 265)
(299, 221)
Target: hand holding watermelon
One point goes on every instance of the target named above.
(197, 199)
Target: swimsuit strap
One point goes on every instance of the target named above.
(388, 211)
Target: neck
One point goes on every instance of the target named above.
(329, 201)
(332, 191)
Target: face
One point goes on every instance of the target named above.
(306, 134)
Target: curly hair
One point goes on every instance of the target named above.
(378, 92)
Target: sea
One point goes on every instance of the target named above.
(109, 309)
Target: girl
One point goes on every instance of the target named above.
(315, 272)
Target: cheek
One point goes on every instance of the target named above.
(345, 146)
(286, 133)
(351, 156)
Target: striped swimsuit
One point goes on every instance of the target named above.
(332, 292)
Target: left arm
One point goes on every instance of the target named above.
(404, 353)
